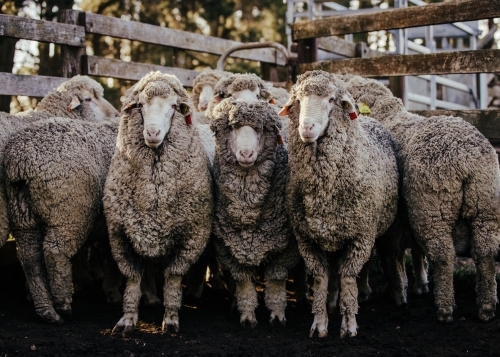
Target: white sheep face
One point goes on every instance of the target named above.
(244, 142)
(244, 95)
(157, 113)
(206, 94)
(314, 116)
(102, 109)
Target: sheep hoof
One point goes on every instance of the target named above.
(420, 289)
(280, 317)
(170, 322)
(349, 327)
(51, 317)
(486, 312)
(248, 317)
(321, 324)
(126, 324)
(64, 310)
(444, 315)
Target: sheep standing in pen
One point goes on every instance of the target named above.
(157, 198)
(451, 186)
(343, 189)
(250, 223)
(55, 173)
(203, 91)
(79, 98)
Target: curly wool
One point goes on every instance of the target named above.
(54, 104)
(207, 77)
(250, 222)
(346, 192)
(451, 185)
(280, 96)
(158, 203)
(55, 200)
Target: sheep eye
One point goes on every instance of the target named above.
(345, 104)
(221, 94)
(88, 99)
(331, 100)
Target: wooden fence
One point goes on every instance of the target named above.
(311, 35)
(70, 33)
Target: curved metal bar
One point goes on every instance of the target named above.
(251, 45)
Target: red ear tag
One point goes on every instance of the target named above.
(280, 139)
(353, 115)
(189, 121)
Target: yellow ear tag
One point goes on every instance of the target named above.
(363, 108)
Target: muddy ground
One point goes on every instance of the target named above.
(210, 329)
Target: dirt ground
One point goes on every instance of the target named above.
(210, 329)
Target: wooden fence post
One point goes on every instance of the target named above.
(71, 55)
(307, 50)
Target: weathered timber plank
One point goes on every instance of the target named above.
(106, 67)
(31, 86)
(486, 121)
(44, 31)
(71, 56)
(114, 27)
(344, 48)
(481, 61)
(441, 13)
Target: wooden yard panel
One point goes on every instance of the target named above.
(486, 121)
(114, 27)
(344, 48)
(31, 86)
(441, 13)
(481, 61)
(106, 67)
(43, 31)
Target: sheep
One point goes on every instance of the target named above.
(203, 90)
(342, 192)
(78, 98)
(451, 187)
(158, 198)
(55, 171)
(250, 223)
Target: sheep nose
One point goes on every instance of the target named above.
(308, 127)
(153, 134)
(246, 154)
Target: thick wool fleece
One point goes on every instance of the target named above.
(280, 96)
(55, 173)
(451, 185)
(250, 219)
(342, 192)
(207, 77)
(251, 226)
(54, 104)
(158, 203)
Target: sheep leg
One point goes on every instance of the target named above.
(275, 298)
(419, 270)
(131, 298)
(484, 250)
(58, 248)
(363, 283)
(300, 283)
(317, 264)
(111, 282)
(351, 263)
(172, 300)
(246, 298)
(195, 277)
(30, 254)
(392, 260)
(148, 287)
(333, 284)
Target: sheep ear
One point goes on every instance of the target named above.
(75, 102)
(272, 101)
(129, 106)
(286, 109)
(185, 110)
(348, 106)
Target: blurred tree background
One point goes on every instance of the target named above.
(239, 20)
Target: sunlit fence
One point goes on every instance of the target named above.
(72, 30)
(313, 34)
